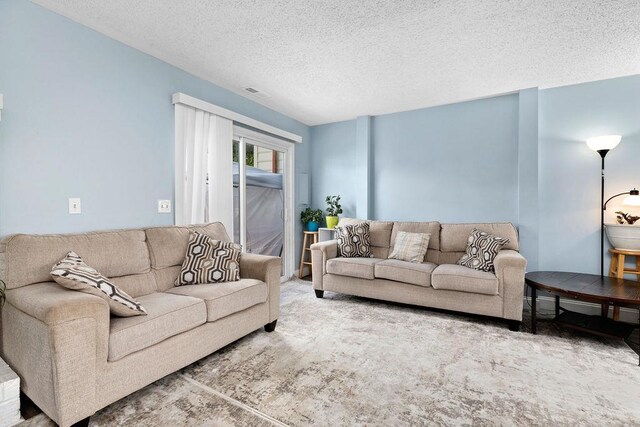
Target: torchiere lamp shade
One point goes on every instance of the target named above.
(604, 142)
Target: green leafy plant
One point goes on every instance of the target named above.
(334, 208)
(3, 292)
(311, 215)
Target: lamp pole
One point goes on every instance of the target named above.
(602, 153)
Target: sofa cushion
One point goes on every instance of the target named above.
(379, 231)
(482, 249)
(209, 261)
(404, 271)
(453, 237)
(168, 245)
(432, 228)
(27, 259)
(354, 241)
(167, 315)
(136, 284)
(410, 247)
(459, 278)
(353, 267)
(223, 299)
(72, 273)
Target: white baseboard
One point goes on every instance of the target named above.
(547, 304)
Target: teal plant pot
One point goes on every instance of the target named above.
(313, 226)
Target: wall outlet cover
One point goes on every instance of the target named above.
(74, 206)
(164, 206)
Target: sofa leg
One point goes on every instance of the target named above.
(270, 327)
(82, 423)
(514, 325)
(319, 293)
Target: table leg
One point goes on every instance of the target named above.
(534, 297)
(557, 305)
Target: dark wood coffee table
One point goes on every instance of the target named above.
(590, 288)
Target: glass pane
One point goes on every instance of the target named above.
(265, 201)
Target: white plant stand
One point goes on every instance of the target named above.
(9, 396)
(325, 234)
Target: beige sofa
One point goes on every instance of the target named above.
(73, 358)
(437, 282)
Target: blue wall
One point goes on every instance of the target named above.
(413, 176)
(333, 162)
(520, 158)
(449, 163)
(569, 183)
(86, 116)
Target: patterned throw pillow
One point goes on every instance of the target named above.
(482, 249)
(209, 261)
(354, 241)
(410, 247)
(72, 273)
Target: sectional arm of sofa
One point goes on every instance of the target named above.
(268, 269)
(320, 254)
(56, 339)
(510, 267)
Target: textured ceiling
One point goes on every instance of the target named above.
(325, 61)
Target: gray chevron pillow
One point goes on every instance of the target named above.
(72, 273)
(482, 249)
(209, 261)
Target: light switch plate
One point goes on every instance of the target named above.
(75, 206)
(164, 206)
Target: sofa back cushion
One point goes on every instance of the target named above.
(454, 237)
(27, 259)
(168, 245)
(432, 228)
(136, 285)
(379, 233)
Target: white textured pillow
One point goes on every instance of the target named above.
(410, 247)
(72, 273)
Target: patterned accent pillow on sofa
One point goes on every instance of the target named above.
(72, 273)
(482, 249)
(354, 241)
(209, 261)
(410, 247)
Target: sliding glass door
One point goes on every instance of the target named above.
(262, 196)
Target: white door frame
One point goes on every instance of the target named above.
(288, 148)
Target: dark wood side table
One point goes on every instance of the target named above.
(588, 288)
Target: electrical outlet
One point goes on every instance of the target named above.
(75, 206)
(164, 206)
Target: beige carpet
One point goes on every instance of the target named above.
(344, 361)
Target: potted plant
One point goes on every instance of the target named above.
(311, 218)
(334, 208)
(625, 235)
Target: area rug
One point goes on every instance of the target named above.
(342, 361)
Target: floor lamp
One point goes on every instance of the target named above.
(602, 145)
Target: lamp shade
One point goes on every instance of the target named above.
(604, 142)
(633, 199)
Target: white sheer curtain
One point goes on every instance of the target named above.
(203, 147)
